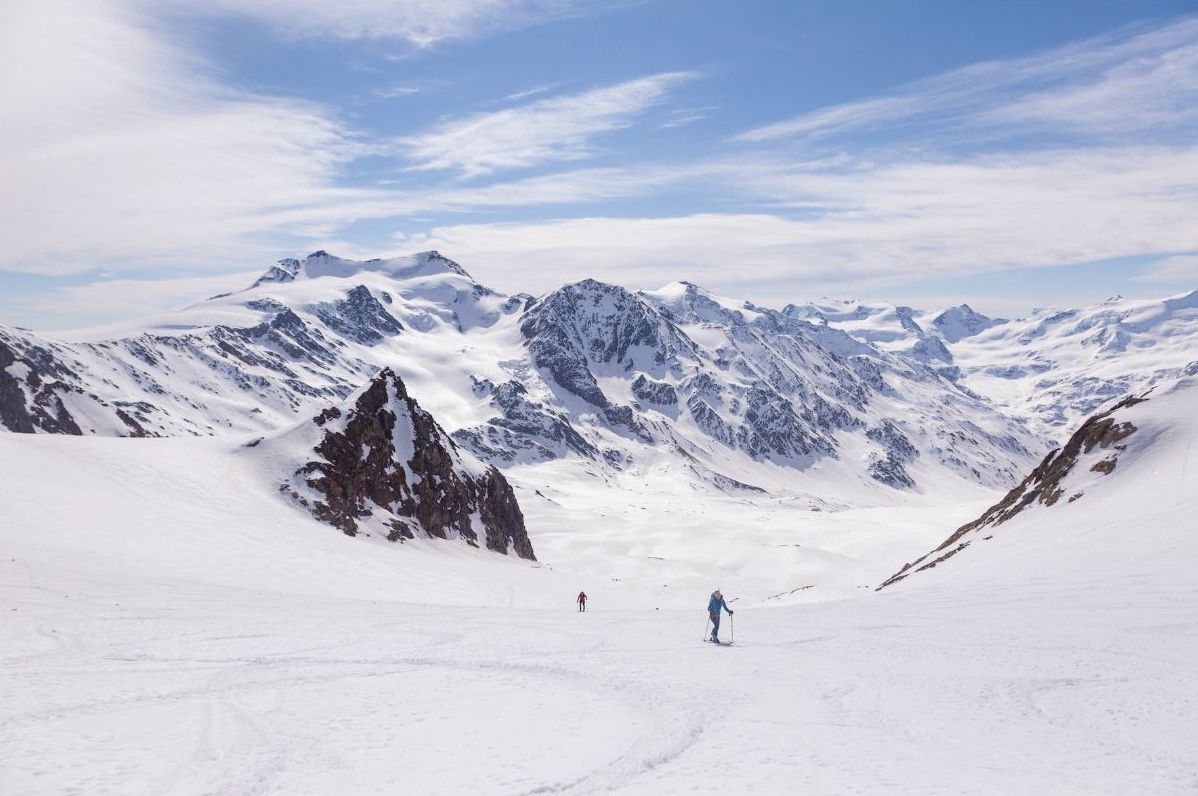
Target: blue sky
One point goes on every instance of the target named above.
(1009, 154)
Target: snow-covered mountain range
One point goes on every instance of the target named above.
(1053, 368)
(740, 396)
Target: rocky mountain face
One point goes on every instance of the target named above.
(1095, 446)
(378, 463)
(682, 370)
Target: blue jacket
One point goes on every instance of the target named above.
(716, 603)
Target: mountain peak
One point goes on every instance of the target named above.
(320, 264)
(379, 464)
(961, 321)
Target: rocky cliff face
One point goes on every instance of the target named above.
(1045, 485)
(381, 464)
(38, 385)
(680, 368)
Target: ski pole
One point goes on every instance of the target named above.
(731, 628)
(706, 622)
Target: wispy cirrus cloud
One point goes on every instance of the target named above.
(398, 91)
(1127, 81)
(552, 130)
(422, 23)
(1180, 269)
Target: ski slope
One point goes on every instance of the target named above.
(173, 628)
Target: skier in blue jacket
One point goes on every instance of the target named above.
(713, 609)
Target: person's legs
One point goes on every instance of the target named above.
(715, 626)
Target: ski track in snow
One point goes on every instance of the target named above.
(183, 690)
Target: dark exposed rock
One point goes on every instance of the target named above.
(887, 466)
(654, 392)
(1044, 485)
(526, 429)
(283, 271)
(593, 322)
(386, 458)
(34, 402)
(772, 428)
(14, 415)
(360, 317)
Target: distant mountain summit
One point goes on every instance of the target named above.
(956, 323)
(322, 264)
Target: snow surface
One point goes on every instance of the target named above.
(158, 640)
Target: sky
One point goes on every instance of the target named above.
(1009, 154)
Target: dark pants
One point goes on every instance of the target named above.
(582, 605)
(715, 624)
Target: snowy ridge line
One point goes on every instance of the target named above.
(1117, 460)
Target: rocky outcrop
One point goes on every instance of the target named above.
(525, 431)
(36, 386)
(654, 392)
(359, 317)
(1044, 486)
(382, 463)
(887, 464)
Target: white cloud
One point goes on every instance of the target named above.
(420, 22)
(889, 224)
(848, 116)
(397, 92)
(531, 92)
(77, 306)
(551, 130)
(1128, 81)
(1180, 269)
(118, 150)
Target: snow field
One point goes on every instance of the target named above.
(142, 687)
(172, 626)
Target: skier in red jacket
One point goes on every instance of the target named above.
(582, 601)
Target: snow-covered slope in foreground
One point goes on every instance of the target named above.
(170, 628)
(1118, 501)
